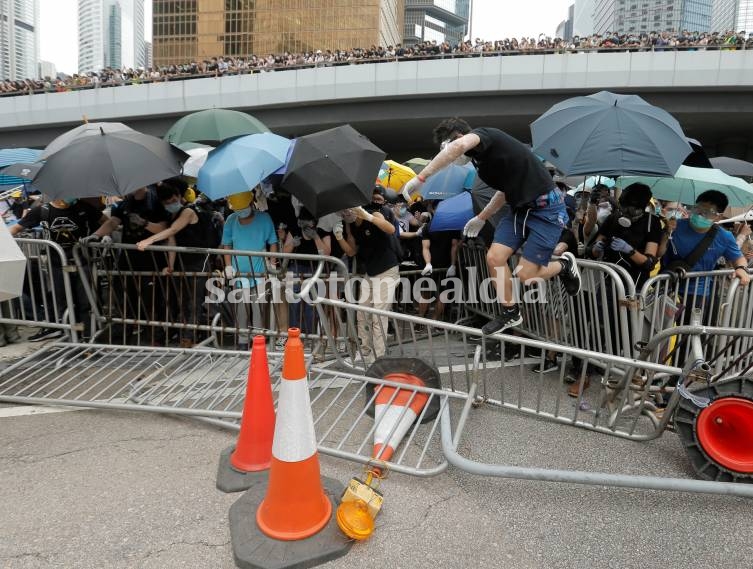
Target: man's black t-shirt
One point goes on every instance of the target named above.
(440, 247)
(647, 229)
(508, 166)
(132, 214)
(376, 252)
(64, 226)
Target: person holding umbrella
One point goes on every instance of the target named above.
(537, 210)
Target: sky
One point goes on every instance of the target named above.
(492, 19)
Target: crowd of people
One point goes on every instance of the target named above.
(235, 65)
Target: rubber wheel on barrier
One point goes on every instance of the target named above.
(719, 438)
(412, 371)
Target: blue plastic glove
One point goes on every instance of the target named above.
(621, 246)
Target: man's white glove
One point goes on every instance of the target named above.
(428, 269)
(581, 249)
(93, 238)
(363, 214)
(420, 231)
(309, 232)
(338, 230)
(229, 272)
(411, 187)
(106, 240)
(296, 241)
(452, 271)
(473, 227)
(621, 246)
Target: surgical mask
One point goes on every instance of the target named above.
(70, 201)
(173, 207)
(403, 211)
(700, 222)
(245, 212)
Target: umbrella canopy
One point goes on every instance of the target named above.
(610, 134)
(238, 165)
(196, 159)
(452, 214)
(417, 164)
(333, 170)
(449, 182)
(733, 166)
(112, 164)
(12, 265)
(22, 170)
(9, 156)
(697, 157)
(689, 183)
(212, 126)
(393, 175)
(186, 146)
(80, 132)
(590, 182)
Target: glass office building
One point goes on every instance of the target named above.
(733, 15)
(110, 34)
(186, 30)
(439, 20)
(625, 16)
(19, 41)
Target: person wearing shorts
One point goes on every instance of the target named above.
(535, 220)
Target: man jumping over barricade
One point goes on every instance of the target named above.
(535, 220)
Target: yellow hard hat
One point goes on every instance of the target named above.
(16, 194)
(241, 200)
(189, 195)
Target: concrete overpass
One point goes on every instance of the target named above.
(398, 103)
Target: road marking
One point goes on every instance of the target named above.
(23, 410)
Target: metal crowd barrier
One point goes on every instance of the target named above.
(51, 291)
(138, 302)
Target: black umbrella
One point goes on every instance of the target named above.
(114, 164)
(22, 170)
(697, 158)
(733, 166)
(80, 132)
(333, 170)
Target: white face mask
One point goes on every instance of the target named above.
(461, 160)
(602, 214)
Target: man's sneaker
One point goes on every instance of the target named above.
(570, 274)
(45, 334)
(508, 319)
(547, 366)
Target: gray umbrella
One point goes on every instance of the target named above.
(80, 132)
(733, 166)
(610, 134)
(112, 164)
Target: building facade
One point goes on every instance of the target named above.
(110, 34)
(190, 30)
(583, 18)
(565, 29)
(19, 39)
(436, 20)
(643, 16)
(732, 15)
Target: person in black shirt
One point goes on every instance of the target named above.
(537, 210)
(64, 222)
(630, 236)
(376, 245)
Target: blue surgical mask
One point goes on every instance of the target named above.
(70, 201)
(173, 207)
(245, 212)
(700, 222)
(403, 211)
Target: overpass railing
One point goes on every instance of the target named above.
(393, 59)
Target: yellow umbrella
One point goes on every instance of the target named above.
(394, 175)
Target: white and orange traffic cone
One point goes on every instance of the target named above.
(295, 506)
(395, 413)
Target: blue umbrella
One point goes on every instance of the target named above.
(453, 213)
(449, 182)
(10, 156)
(610, 134)
(239, 164)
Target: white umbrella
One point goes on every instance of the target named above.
(12, 266)
(198, 156)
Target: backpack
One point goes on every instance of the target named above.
(211, 222)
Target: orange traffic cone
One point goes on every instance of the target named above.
(295, 506)
(395, 414)
(253, 452)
